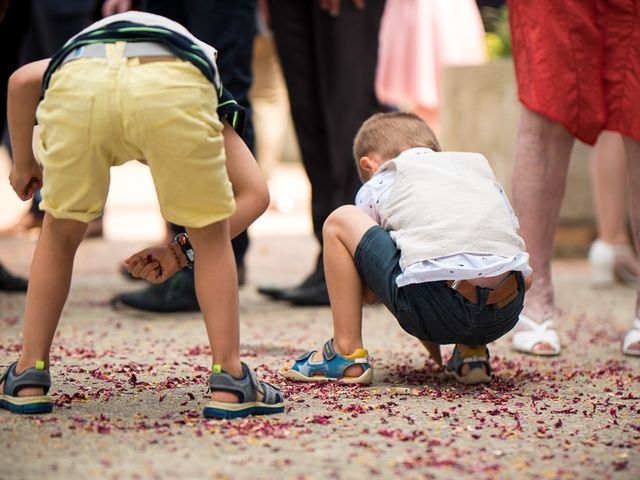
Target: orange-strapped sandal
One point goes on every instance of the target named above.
(478, 361)
(331, 368)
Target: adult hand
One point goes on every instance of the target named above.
(333, 6)
(109, 7)
(25, 180)
(154, 264)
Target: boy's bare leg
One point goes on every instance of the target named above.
(217, 292)
(342, 232)
(539, 178)
(632, 149)
(434, 351)
(49, 281)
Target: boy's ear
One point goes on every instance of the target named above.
(368, 165)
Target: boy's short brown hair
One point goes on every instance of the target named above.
(389, 134)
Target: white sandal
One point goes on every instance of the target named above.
(609, 262)
(632, 336)
(535, 333)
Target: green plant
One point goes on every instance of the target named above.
(498, 36)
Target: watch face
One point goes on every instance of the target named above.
(185, 246)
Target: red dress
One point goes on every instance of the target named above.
(578, 63)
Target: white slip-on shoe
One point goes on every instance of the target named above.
(602, 258)
(631, 341)
(609, 262)
(531, 333)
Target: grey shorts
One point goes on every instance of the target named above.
(431, 311)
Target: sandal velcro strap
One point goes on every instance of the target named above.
(246, 388)
(474, 359)
(328, 352)
(30, 378)
(271, 393)
(304, 356)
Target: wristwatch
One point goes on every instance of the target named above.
(185, 245)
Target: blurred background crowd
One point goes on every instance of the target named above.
(309, 72)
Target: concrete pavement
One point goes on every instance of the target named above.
(129, 388)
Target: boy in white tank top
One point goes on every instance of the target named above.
(432, 236)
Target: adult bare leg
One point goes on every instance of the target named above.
(632, 149)
(543, 152)
(611, 254)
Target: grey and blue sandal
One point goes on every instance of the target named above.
(479, 365)
(12, 383)
(246, 388)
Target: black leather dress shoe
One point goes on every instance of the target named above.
(177, 294)
(274, 293)
(314, 295)
(10, 282)
(316, 279)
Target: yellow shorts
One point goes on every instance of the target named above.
(102, 112)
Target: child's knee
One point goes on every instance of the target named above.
(69, 232)
(336, 219)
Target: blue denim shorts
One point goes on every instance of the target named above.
(431, 311)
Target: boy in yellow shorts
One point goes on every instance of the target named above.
(136, 86)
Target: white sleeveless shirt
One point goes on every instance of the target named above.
(448, 215)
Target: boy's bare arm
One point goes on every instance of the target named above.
(249, 186)
(25, 86)
(251, 194)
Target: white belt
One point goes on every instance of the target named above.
(131, 49)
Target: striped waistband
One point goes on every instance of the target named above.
(131, 49)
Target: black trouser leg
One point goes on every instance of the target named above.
(229, 26)
(329, 67)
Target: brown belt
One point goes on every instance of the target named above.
(499, 296)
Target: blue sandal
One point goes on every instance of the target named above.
(331, 368)
(479, 366)
(246, 388)
(36, 377)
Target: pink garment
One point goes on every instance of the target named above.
(418, 37)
